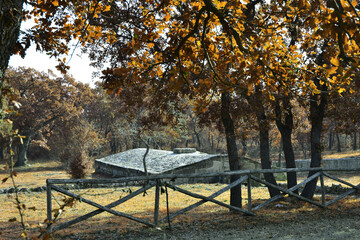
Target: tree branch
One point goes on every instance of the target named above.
(227, 27)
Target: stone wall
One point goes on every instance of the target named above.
(352, 162)
(214, 164)
(112, 170)
(219, 163)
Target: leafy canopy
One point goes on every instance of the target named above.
(160, 50)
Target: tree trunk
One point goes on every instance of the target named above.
(317, 111)
(256, 102)
(330, 140)
(244, 148)
(281, 149)
(285, 129)
(118, 146)
(147, 144)
(354, 141)
(265, 153)
(23, 148)
(134, 144)
(304, 151)
(10, 21)
(113, 144)
(1, 153)
(22, 154)
(212, 144)
(338, 142)
(228, 123)
(289, 158)
(197, 137)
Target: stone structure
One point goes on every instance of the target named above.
(179, 161)
(336, 163)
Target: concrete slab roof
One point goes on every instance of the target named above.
(157, 161)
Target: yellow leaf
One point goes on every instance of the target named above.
(335, 61)
(333, 79)
(341, 90)
(331, 70)
(222, 4)
(107, 8)
(24, 234)
(196, 5)
(55, 3)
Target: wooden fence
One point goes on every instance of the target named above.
(159, 181)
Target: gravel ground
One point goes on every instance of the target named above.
(338, 223)
(329, 229)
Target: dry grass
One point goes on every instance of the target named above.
(341, 154)
(35, 174)
(206, 216)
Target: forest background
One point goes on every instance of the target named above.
(79, 118)
(232, 67)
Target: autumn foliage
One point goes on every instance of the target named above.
(80, 165)
(164, 56)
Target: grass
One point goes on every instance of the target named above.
(35, 174)
(207, 215)
(334, 155)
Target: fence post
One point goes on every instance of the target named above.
(322, 188)
(249, 192)
(167, 207)
(157, 199)
(48, 202)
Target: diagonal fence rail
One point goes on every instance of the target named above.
(159, 181)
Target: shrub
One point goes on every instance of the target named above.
(78, 163)
(80, 166)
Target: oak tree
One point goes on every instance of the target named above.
(44, 99)
(163, 50)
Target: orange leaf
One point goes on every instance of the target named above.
(55, 3)
(107, 8)
(4, 179)
(335, 61)
(46, 237)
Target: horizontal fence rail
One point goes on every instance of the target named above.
(158, 181)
